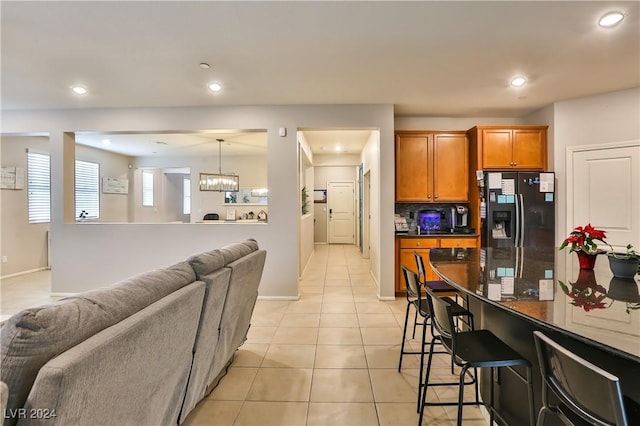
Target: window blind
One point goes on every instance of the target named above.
(87, 189)
(147, 188)
(39, 187)
(186, 196)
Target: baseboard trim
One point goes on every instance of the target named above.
(279, 298)
(30, 271)
(62, 294)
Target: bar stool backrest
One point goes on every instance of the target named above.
(442, 319)
(422, 276)
(411, 282)
(587, 390)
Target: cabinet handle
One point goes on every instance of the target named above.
(418, 243)
(435, 196)
(428, 197)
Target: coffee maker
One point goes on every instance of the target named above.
(460, 220)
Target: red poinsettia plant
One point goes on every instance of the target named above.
(583, 238)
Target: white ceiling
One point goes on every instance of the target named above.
(430, 58)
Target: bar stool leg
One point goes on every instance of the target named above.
(404, 335)
(532, 416)
(420, 383)
(415, 322)
(461, 394)
(422, 390)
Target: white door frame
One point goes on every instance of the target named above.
(366, 212)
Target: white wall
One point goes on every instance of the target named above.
(374, 157)
(450, 123)
(86, 257)
(611, 117)
(23, 243)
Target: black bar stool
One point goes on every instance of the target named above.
(439, 287)
(414, 298)
(587, 393)
(471, 349)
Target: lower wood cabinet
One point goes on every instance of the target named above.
(405, 248)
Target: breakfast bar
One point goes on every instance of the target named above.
(516, 291)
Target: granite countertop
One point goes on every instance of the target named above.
(547, 286)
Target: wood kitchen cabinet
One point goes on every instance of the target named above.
(405, 247)
(432, 167)
(505, 148)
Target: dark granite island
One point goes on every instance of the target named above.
(518, 290)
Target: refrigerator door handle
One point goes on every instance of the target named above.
(516, 236)
(522, 220)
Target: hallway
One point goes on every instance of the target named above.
(329, 358)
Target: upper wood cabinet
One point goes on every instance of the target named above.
(513, 147)
(432, 167)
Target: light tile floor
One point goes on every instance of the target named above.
(330, 358)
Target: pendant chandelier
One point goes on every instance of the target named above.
(220, 182)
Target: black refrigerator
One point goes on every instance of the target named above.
(518, 209)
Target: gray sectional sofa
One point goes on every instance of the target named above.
(144, 351)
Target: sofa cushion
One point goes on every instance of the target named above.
(206, 263)
(132, 373)
(34, 336)
(233, 252)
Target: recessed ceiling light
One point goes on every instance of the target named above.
(79, 90)
(204, 65)
(611, 19)
(518, 81)
(214, 86)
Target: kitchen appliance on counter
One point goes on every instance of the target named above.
(460, 220)
(430, 221)
(520, 209)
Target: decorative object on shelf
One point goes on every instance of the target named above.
(624, 265)
(586, 293)
(262, 216)
(220, 182)
(305, 200)
(583, 242)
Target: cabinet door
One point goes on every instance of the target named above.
(496, 149)
(413, 171)
(529, 149)
(406, 248)
(450, 168)
(459, 242)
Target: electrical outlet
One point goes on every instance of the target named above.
(5, 259)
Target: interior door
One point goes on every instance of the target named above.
(341, 200)
(604, 190)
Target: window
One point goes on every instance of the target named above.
(147, 188)
(39, 187)
(186, 196)
(87, 190)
